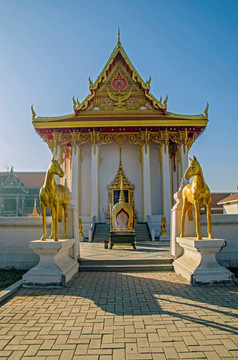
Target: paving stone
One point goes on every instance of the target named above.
(121, 316)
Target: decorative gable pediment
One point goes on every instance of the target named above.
(119, 87)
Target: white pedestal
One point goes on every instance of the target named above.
(198, 263)
(164, 238)
(57, 264)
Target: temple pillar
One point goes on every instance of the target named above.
(75, 176)
(179, 162)
(184, 158)
(95, 152)
(146, 182)
(17, 205)
(68, 172)
(165, 183)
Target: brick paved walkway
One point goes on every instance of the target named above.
(104, 316)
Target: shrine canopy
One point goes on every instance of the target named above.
(120, 105)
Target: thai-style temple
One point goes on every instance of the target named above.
(120, 130)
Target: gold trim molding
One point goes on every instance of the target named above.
(74, 139)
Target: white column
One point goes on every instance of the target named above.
(95, 151)
(68, 173)
(184, 160)
(75, 176)
(146, 183)
(165, 182)
(75, 192)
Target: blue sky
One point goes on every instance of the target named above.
(49, 48)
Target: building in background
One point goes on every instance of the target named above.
(230, 203)
(18, 190)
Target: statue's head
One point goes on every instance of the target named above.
(193, 169)
(55, 167)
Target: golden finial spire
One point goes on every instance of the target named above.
(118, 37)
(122, 196)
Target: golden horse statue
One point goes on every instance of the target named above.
(197, 193)
(56, 197)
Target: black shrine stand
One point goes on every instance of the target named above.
(122, 238)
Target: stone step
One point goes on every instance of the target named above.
(126, 268)
(164, 260)
(102, 232)
(162, 264)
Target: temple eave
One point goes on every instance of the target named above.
(125, 121)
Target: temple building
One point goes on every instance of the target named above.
(120, 130)
(19, 191)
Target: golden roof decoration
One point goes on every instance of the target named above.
(136, 78)
(120, 181)
(121, 93)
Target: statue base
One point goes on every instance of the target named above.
(198, 263)
(57, 264)
(165, 238)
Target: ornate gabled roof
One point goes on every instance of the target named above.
(119, 97)
(118, 54)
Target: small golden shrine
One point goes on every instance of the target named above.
(115, 188)
(122, 222)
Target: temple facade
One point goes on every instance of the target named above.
(122, 131)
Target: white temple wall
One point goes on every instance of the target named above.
(108, 168)
(133, 171)
(155, 171)
(85, 184)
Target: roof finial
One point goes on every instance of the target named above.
(118, 37)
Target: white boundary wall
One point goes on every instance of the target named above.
(17, 232)
(15, 236)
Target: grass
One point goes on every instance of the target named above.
(9, 277)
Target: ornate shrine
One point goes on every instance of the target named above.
(120, 112)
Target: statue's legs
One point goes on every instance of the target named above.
(56, 222)
(209, 223)
(197, 215)
(66, 213)
(53, 222)
(43, 210)
(184, 209)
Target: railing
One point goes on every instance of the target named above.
(150, 227)
(92, 228)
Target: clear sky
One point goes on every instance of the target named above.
(49, 48)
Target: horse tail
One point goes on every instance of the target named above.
(60, 214)
(190, 212)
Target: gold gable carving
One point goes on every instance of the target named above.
(129, 98)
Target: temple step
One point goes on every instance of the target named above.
(142, 265)
(102, 232)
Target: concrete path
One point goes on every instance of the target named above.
(116, 316)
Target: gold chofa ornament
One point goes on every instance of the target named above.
(197, 193)
(57, 198)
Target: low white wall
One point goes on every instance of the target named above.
(15, 235)
(224, 227)
(17, 232)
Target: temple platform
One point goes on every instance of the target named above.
(148, 256)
